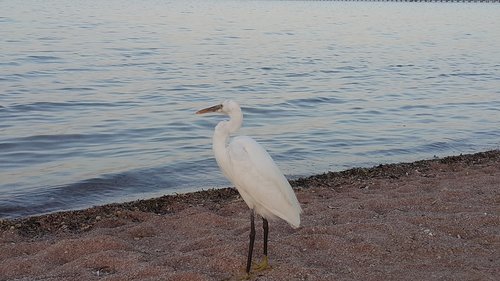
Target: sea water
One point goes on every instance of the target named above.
(97, 98)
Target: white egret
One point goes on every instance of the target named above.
(257, 178)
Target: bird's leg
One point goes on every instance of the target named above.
(252, 240)
(265, 226)
(264, 264)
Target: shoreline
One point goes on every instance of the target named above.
(175, 202)
(435, 219)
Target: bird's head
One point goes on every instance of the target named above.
(225, 107)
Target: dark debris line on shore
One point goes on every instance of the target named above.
(83, 220)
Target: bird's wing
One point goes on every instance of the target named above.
(261, 183)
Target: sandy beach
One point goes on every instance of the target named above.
(434, 219)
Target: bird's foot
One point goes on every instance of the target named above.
(257, 267)
(247, 276)
(263, 265)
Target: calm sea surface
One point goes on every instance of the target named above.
(97, 98)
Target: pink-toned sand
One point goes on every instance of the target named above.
(428, 220)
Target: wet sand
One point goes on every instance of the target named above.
(428, 220)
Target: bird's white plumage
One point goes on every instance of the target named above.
(260, 182)
(251, 169)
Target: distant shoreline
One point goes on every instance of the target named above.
(429, 1)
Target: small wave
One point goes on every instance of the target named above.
(9, 63)
(76, 89)
(401, 65)
(315, 101)
(330, 71)
(28, 75)
(268, 68)
(298, 75)
(56, 106)
(44, 59)
(414, 107)
(6, 20)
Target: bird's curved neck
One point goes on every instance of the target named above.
(235, 121)
(232, 125)
(221, 136)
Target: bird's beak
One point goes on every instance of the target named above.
(215, 108)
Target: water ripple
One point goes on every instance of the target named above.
(97, 109)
